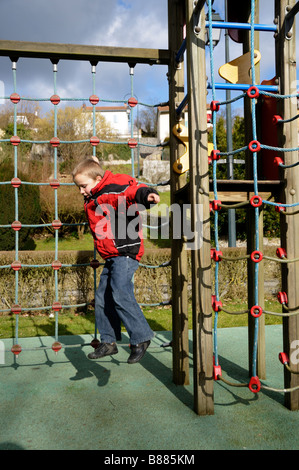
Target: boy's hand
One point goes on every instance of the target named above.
(153, 197)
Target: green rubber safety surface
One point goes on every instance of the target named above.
(66, 401)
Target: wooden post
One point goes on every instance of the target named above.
(251, 233)
(199, 196)
(288, 138)
(179, 261)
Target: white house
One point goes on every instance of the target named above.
(117, 116)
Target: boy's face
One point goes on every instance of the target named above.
(85, 183)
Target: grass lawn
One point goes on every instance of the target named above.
(159, 318)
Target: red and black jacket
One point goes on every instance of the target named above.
(113, 215)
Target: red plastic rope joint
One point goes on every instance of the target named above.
(279, 208)
(256, 311)
(215, 205)
(16, 265)
(94, 140)
(132, 143)
(254, 146)
(54, 184)
(56, 346)
(215, 154)
(14, 98)
(217, 372)
(254, 384)
(282, 298)
(253, 92)
(16, 182)
(16, 309)
(216, 255)
(15, 140)
(54, 141)
(283, 357)
(16, 225)
(278, 161)
(16, 349)
(216, 304)
(55, 99)
(94, 99)
(56, 306)
(95, 264)
(56, 224)
(281, 253)
(276, 118)
(256, 256)
(256, 201)
(132, 102)
(214, 106)
(56, 265)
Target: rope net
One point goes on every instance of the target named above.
(253, 92)
(134, 145)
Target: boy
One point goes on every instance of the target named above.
(111, 204)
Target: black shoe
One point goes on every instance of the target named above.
(104, 349)
(137, 352)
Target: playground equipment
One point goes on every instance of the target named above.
(283, 188)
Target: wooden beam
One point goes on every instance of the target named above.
(288, 137)
(56, 51)
(199, 197)
(179, 261)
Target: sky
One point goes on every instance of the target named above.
(130, 23)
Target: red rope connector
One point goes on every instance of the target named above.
(216, 255)
(16, 265)
(254, 384)
(16, 225)
(16, 182)
(56, 306)
(216, 370)
(278, 161)
(256, 201)
(16, 309)
(132, 102)
(284, 358)
(95, 343)
(215, 154)
(56, 265)
(16, 349)
(54, 184)
(276, 118)
(279, 208)
(132, 143)
(254, 146)
(94, 99)
(54, 141)
(14, 98)
(215, 205)
(216, 304)
(256, 311)
(256, 256)
(214, 106)
(15, 140)
(281, 253)
(55, 99)
(253, 92)
(56, 346)
(95, 264)
(282, 298)
(56, 224)
(94, 140)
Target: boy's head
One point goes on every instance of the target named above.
(87, 174)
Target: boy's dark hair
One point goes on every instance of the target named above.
(89, 167)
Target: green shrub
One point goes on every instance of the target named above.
(29, 209)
